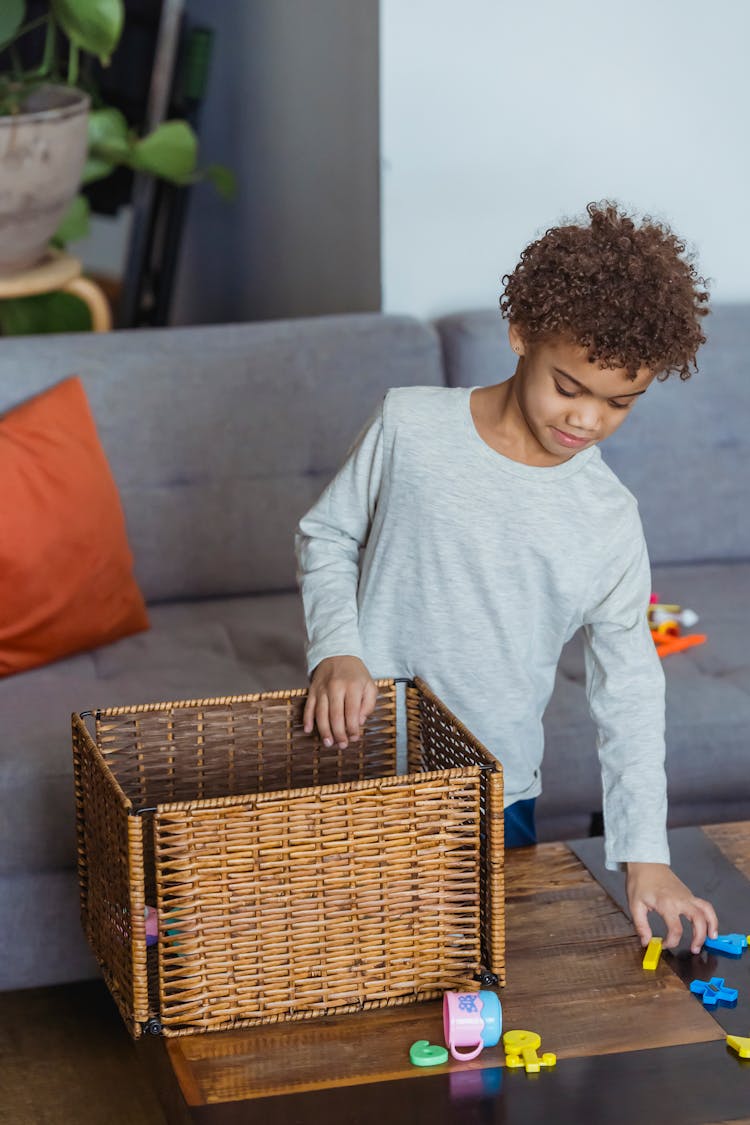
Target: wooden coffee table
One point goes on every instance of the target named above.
(632, 1046)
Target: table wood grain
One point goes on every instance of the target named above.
(575, 976)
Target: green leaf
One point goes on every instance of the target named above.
(223, 179)
(75, 222)
(93, 25)
(95, 169)
(107, 126)
(11, 18)
(171, 152)
(47, 312)
(108, 137)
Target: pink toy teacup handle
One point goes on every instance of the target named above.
(468, 1055)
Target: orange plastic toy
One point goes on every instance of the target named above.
(666, 622)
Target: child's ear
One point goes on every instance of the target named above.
(516, 339)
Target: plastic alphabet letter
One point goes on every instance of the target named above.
(714, 992)
(652, 954)
(521, 1051)
(740, 1044)
(729, 944)
(423, 1053)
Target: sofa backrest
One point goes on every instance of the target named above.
(684, 453)
(221, 437)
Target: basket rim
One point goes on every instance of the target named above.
(490, 765)
(286, 694)
(221, 700)
(390, 781)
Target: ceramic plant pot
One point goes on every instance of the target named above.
(42, 154)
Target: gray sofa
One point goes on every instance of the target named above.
(219, 438)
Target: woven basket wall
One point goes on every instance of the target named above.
(291, 880)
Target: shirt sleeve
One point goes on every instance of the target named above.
(328, 542)
(625, 686)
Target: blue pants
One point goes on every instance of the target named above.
(520, 830)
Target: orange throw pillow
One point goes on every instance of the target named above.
(66, 571)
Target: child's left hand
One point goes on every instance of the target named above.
(654, 886)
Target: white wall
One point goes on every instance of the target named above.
(498, 119)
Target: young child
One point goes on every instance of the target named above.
(470, 533)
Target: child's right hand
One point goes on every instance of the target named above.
(342, 694)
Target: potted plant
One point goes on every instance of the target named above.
(55, 137)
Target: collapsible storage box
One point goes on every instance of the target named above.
(290, 880)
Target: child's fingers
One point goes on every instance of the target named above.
(352, 707)
(674, 928)
(369, 699)
(640, 921)
(336, 713)
(322, 720)
(700, 930)
(711, 918)
(705, 923)
(338, 707)
(308, 715)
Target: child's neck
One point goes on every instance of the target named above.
(500, 423)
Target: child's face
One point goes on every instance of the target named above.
(567, 402)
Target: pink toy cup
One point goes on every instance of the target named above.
(473, 1020)
(152, 925)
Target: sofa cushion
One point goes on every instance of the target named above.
(66, 571)
(203, 649)
(708, 706)
(41, 934)
(221, 437)
(684, 451)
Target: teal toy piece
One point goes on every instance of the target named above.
(423, 1053)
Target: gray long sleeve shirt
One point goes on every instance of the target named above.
(431, 554)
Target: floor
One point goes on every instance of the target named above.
(65, 1057)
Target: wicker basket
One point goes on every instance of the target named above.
(291, 880)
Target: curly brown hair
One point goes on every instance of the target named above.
(627, 291)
